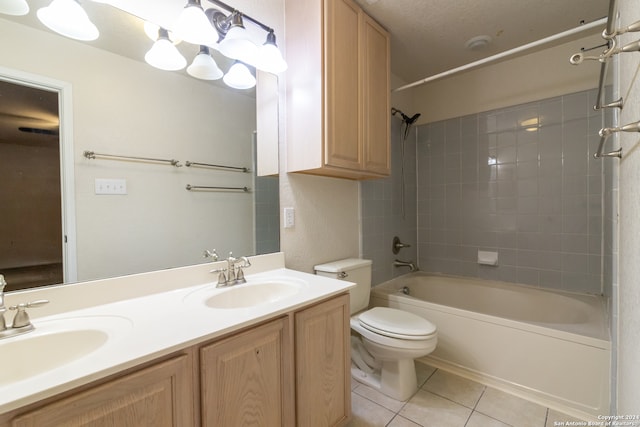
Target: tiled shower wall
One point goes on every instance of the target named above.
(521, 181)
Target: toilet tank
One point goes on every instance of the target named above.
(353, 270)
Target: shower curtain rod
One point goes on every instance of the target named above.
(506, 53)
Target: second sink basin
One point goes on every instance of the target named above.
(252, 294)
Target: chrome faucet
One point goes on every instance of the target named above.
(234, 273)
(412, 266)
(21, 322)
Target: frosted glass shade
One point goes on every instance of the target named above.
(68, 18)
(14, 7)
(204, 67)
(164, 55)
(239, 77)
(194, 27)
(237, 45)
(270, 59)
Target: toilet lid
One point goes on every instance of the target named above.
(396, 323)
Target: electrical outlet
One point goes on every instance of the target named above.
(289, 217)
(111, 186)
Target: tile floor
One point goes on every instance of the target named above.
(447, 400)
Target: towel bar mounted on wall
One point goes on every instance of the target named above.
(93, 155)
(209, 165)
(190, 187)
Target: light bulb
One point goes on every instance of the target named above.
(237, 44)
(204, 67)
(239, 77)
(14, 7)
(193, 25)
(68, 18)
(164, 55)
(269, 57)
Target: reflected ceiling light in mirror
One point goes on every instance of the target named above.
(14, 7)
(204, 67)
(164, 55)
(236, 43)
(68, 18)
(193, 26)
(239, 77)
(269, 56)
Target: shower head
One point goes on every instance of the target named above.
(408, 120)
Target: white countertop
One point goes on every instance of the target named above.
(151, 325)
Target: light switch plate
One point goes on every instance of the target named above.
(111, 186)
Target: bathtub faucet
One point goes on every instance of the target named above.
(412, 266)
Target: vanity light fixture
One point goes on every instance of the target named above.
(68, 18)
(193, 26)
(236, 43)
(204, 67)
(239, 77)
(14, 7)
(269, 56)
(164, 55)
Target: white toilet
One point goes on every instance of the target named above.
(387, 340)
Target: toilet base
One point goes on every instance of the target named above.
(396, 379)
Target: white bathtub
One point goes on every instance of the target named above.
(546, 346)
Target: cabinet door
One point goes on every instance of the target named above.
(376, 93)
(158, 396)
(323, 378)
(244, 378)
(342, 89)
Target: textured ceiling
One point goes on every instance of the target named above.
(429, 36)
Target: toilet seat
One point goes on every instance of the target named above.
(395, 323)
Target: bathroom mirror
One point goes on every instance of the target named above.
(120, 105)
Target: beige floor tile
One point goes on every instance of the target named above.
(367, 413)
(479, 420)
(427, 409)
(379, 398)
(423, 372)
(511, 409)
(555, 416)
(453, 387)
(399, 421)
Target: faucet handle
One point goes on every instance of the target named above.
(21, 318)
(210, 254)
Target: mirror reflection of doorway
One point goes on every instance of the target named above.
(31, 235)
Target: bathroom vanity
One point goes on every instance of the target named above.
(275, 353)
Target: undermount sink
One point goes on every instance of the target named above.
(54, 344)
(251, 295)
(248, 295)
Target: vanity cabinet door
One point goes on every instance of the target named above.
(158, 396)
(323, 364)
(246, 378)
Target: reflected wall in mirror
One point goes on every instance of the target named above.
(125, 107)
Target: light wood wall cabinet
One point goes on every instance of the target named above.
(293, 370)
(338, 112)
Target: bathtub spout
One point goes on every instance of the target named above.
(412, 266)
